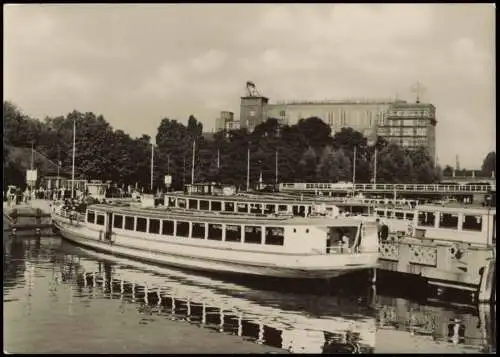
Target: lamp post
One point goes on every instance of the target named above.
(73, 162)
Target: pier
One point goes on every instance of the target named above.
(28, 219)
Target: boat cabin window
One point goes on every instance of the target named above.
(242, 208)
(229, 206)
(233, 233)
(472, 223)
(118, 221)
(282, 208)
(409, 216)
(256, 208)
(181, 202)
(269, 209)
(91, 217)
(336, 235)
(275, 235)
(129, 223)
(390, 214)
(141, 224)
(204, 205)
(100, 220)
(358, 209)
(253, 234)
(198, 230)
(154, 226)
(426, 219)
(448, 220)
(400, 215)
(182, 229)
(215, 231)
(380, 213)
(171, 201)
(216, 206)
(167, 228)
(295, 210)
(193, 204)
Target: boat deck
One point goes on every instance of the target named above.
(218, 217)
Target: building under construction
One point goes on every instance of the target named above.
(253, 109)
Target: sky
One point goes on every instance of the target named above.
(137, 64)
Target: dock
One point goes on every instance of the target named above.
(28, 219)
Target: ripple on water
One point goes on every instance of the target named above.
(128, 306)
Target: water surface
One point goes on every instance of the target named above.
(60, 298)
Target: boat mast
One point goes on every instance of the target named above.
(192, 166)
(73, 164)
(218, 158)
(375, 168)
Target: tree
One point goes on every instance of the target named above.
(423, 167)
(315, 132)
(490, 164)
(307, 165)
(448, 171)
(334, 166)
(395, 166)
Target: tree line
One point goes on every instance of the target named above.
(305, 152)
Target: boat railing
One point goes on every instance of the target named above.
(69, 214)
(230, 214)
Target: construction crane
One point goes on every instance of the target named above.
(252, 90)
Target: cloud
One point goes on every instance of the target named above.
(136, 64)
(209, 61)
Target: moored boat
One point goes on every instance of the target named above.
(280, 246)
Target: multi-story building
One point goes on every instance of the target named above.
(411, 125)
(253, 111)
(225, 121)
(361, 115)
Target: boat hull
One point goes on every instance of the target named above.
(77, 235)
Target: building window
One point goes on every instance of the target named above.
(282, 113)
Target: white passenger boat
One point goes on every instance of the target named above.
(272, 245)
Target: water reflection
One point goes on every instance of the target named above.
(295, 320)
(272, 318)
